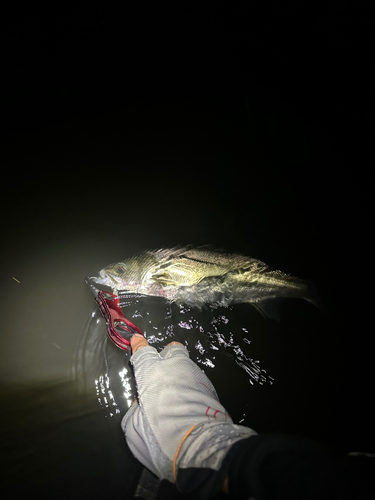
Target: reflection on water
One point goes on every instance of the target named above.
(56, 445)
(105, 395)
(63, 438)
(211, 336)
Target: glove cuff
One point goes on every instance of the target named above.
(203, 450)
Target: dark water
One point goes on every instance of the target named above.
(100, 168)
(65, 387)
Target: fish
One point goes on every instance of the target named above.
(199, 276)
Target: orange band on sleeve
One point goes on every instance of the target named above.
(178, 450)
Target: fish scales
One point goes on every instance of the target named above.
(200, 276)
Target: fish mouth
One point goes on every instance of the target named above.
(99, 281)
(97, 284)
(108, 279)
(103, 279)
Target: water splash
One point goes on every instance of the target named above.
(209, 335)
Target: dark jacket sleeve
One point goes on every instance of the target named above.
(278, 466)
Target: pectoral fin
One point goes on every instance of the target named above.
(269, 309)
(164, 279)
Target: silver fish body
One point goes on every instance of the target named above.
(199, 276)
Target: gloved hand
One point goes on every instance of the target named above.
(178, 429)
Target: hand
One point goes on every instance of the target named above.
(179, 426)
(137, 341)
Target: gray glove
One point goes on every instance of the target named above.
(179, 422)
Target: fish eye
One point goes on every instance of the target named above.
(120, 270)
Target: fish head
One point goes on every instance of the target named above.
(117, 277)
(139, 274)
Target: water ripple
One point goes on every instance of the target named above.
(209, 336)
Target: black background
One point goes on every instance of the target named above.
(265, 107)
(248, 124)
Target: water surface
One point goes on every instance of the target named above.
(65, 386)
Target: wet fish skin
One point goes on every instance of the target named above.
(200, 276)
